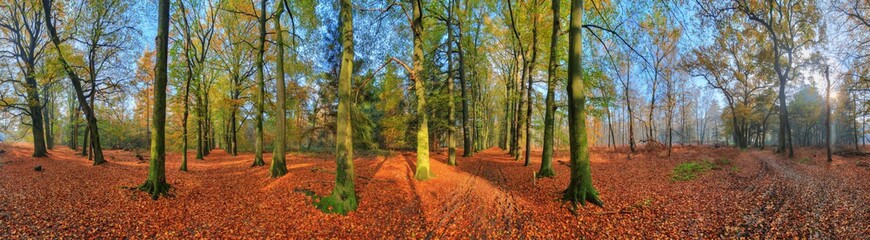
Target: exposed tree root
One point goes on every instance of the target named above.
(155, 188)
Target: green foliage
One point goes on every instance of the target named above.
(690, 170)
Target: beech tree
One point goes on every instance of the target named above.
(343, 197)
(580, 189)
(156, 184)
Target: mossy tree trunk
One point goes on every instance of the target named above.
(343, 197)
(156, 183)
(279, 165)
(423, 172)
(550, 108)
(451, 114)
(261, 88)
(580, 189)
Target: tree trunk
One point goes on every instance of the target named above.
(423, 171)
(343, 197)
(279, 166)
(46, 117)
(467, 148)
(550, 101)
(534, 49)
(828, 114)
(451, 118)
(36, 118)
(580, 189)
(261, 88)
(156, 182)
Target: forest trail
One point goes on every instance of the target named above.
(757, 194)
(477, 186)
(811, 195)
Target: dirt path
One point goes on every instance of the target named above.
(802, 195)
(476, 202)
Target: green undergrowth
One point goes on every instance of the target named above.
(690, 170)
(805, 160)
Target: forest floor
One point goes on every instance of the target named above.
(751, 193)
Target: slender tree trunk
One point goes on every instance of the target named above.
(86, 140)
(855, 123)
(343, 197)
(530, 90)
(580, 189)
(550, 101)
(261, 88)
(156, 182)
(279, 165)
(610, 127)
(828, 115)
(423, 171)
(197, 109)
(47, 113)
(73, 124)
(451, 118)
(467, 148)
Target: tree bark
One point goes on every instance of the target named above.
(261, 88)
(451, 118)
(156, 184)
(423, 172)
(343, 197)
(828, 114)
(580, 189)
(531, 66)
(279, 165)
(550, 101)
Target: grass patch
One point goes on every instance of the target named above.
(805, 160)
(690, 170)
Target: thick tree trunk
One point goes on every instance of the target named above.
(279, 166)
(343, 197)
(36, 118)
(580, 189)
(261, 88)
(423, 171)
(550, 102)
(156, 183)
